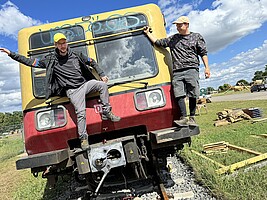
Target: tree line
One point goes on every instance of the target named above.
(10, 121)
(258, 75)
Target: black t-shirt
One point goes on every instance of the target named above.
(68, 72)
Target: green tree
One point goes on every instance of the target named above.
(10, 121)
(210, 89)
(242, 82)
(264, 74)
(224, 87)
(258, 75)
(2, 116)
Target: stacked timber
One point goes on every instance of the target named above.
(218, 147)
(228, 116)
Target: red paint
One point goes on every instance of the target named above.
(122, 105)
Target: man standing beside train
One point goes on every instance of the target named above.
(185, 48)
(67, 73)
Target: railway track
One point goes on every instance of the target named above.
(175, 180)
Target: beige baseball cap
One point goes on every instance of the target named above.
(182, 19)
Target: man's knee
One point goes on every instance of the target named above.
(103, 85)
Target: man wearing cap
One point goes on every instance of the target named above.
(67, 73)
(185, 47)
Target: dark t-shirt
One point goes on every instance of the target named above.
(68, 72)
(185, 49)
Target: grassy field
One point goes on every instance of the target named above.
(239, 185)
(19, 184)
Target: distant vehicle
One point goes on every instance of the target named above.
(207, 97)
(258, 88)
(204, 95)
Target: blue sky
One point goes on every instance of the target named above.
(235, 32)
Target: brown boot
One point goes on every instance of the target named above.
(110, 116)
(84, 143)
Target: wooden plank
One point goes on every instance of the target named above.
(243, 149)
(263, 135)
(215, 144)
(213, 161)
(259, 136)
(243, 163)
(259, 120)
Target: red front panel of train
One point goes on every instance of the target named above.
(122, 105)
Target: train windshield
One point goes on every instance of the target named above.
(123, 51)
(45, 39)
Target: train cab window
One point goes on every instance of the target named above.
(123, 51)
(45, 39)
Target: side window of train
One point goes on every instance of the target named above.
(38, 43)
(123, 51)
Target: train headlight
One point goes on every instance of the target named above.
(148, 99)
(50, 118)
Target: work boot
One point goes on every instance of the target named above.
(181, 122)
(84, 143)
(110, 116)
(192, 121)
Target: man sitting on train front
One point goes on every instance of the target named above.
(68, 74)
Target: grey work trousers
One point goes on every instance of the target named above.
(186, 83)
(77, 98)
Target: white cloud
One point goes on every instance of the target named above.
(172, 10)
(10, 102)
(229, 21)
(12, 20)
(223, 24)
(9, 84)
(242, 65)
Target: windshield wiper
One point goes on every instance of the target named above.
(123, 82)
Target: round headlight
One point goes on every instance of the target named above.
(45, 120)
(154, 97)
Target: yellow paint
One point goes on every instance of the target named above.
(155, 20)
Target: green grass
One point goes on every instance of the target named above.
(6, 143)
(37, 189)
(31, 189)
(241, 185)
(20, 184)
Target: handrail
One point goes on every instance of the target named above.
(88, 40)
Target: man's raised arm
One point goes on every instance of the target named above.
(31, 62)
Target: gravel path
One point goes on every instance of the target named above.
(180, 183)
(262, 95)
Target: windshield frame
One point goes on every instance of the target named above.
(148, 55)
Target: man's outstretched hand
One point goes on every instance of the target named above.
(5, 50)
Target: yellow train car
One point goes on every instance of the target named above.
(140, 93)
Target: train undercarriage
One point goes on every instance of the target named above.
(120, 160)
